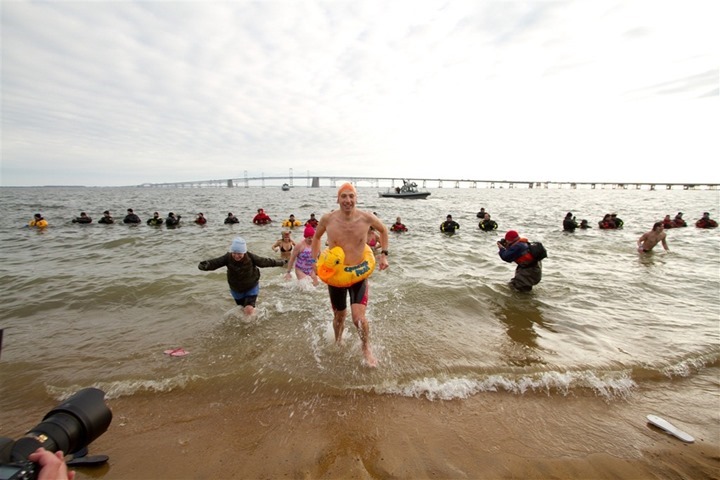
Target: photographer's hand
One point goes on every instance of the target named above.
(52, 465)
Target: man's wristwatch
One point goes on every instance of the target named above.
(384, 252)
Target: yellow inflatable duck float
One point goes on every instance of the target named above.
(332, 270)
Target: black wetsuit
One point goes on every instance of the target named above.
(488, 225)
(449, 226)
(569, 224)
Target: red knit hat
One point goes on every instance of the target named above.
(511, 235)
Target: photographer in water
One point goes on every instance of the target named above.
(512, 248)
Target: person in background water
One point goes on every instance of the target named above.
(131, 217)
(617, 221)
(38, 221)
(481, 213)
(679, 222)
(261, 218)
(243, 272)
(285, 245)
(200, 219)
(302, 259)
(230, 219)
(83, 218)
(172, 220)
(373, 239)
(312, 221)
(569, 223)
(398, 226)
(528, 273)
(648, 240)
(706, 221)
(106, 218)
(606, 223)
(487, 225)
(347, 228)
(449, 225)
(155, 220)
(584, 224)
(291, 222)
(667, 223)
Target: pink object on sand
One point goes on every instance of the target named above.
(176, 352)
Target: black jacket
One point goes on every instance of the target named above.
(242, 275)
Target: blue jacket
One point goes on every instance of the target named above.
(516, 250)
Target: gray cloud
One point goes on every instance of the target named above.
(116, 93)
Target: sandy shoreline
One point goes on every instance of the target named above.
(226, 434)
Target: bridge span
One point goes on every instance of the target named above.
(319, 181)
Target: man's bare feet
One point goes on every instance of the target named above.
(370, 358)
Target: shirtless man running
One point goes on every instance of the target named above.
(347, 228)
(649, 239)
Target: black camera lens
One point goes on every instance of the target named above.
(69, 427)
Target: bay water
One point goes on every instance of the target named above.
(97, 305)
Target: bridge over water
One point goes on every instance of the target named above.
(310, 181)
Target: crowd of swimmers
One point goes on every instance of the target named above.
(610, 221)
(173, 220)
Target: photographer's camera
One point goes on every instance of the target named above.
(69, 427)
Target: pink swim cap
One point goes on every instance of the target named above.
(309, 231)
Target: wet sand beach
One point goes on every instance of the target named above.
(228, 434)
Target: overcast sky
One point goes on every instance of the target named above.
(123, 93)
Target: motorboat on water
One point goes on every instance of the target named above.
(408, 190)
(285, 187)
